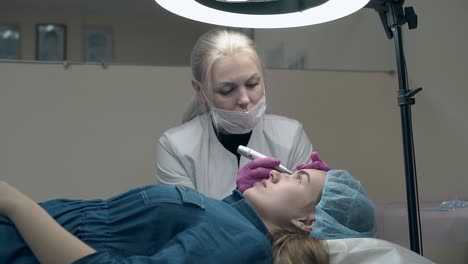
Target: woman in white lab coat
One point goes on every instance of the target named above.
(227, 110)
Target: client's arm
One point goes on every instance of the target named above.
(49, 242)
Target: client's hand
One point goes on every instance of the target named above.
(317, 163)
(254, 171)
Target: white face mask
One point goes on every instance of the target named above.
(234, 122)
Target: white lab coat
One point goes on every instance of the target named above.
(192, 155)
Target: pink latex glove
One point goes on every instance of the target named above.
(255, 171)
(317, 163)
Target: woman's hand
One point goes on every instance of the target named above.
(254, 171)
(9, 196)
(316, 163)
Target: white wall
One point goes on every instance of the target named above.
(355, 42)
(85, 131)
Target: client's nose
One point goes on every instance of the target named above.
(275, 176)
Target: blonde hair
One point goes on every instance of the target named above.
(212, 45)
(298, 248)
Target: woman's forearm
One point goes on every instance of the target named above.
(49, 241)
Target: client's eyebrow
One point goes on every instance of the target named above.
(301, 172)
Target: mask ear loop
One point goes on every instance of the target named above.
(204, 104)
(208, 107)
(264, 94)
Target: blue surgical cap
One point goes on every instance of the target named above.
(344, 211)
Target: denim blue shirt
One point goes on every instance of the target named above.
(154, 224)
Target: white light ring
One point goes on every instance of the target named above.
(331, 10)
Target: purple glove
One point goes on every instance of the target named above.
(255, 171)
(317, 163)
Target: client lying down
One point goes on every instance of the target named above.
(176, 224)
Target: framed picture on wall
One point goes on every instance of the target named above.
(51, 42)
(9, 42)
(98, 44)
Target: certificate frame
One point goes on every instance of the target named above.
(98, 44)
(51, 42)
(10, 38)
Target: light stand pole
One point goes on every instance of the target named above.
(393, 16)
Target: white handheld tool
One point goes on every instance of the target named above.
(252, 154)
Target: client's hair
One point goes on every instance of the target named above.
(297, 248)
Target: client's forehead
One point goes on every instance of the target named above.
(315, 185)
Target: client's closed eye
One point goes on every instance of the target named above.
(298, 177)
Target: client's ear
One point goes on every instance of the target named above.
(304, 223)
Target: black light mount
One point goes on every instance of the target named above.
(259, 7)
(393, 16)
(391, 13)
